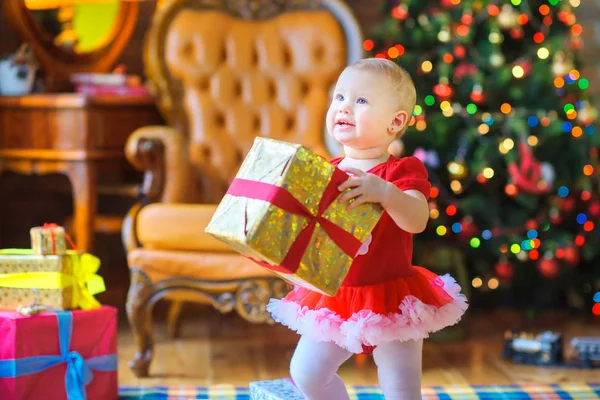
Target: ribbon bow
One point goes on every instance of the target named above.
(79, 370)
(280, 197)
(527, 175)
(85, 281)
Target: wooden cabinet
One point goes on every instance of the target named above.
(71, 134)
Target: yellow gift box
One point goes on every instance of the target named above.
(282, 211)
(67, 281)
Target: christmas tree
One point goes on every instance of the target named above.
(505, 126)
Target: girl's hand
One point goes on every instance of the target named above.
(367, 188)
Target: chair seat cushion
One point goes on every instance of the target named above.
(178, 227)
(160, 264)
(176, 246)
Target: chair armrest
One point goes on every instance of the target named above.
(159, 152)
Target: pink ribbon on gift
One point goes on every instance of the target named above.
(283, 199)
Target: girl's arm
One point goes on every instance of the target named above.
(408, 209)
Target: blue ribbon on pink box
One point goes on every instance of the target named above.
(79, 370)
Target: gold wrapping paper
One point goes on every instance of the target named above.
(46, 240)
(265, 232)
(11, 298)
(64, 282)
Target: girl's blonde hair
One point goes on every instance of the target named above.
(401, 82)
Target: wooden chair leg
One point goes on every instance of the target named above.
(139, 312)
(173, 320)
(83, 178)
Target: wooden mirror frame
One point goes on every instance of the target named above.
(58, 64)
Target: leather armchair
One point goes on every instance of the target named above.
(223, 72)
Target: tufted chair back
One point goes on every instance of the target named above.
(226, 71)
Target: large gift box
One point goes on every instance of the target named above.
(279, 389)
(62, 282)
(65, 355)
(282, 211)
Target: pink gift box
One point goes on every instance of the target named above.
(63, 355)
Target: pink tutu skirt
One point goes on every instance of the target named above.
(358, 318)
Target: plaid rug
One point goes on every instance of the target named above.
(476, 392)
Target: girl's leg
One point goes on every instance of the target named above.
(399, 369)
(314, 369)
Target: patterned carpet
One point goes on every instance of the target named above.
(500, 392)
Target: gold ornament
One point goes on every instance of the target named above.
(444, 35)
(588, 114)
(497, 60)
(561, 64)
(457, 169)
(508, 17)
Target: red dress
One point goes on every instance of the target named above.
(384, 297)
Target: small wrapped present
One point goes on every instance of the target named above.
(60, 281)
(282, 211)
(48, 239)
(64, 355)
(280, 389)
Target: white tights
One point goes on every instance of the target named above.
(314, 369)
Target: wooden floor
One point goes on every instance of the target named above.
(223, 349)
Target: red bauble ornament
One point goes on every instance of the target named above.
(594, 209)
(504, 269)
(571, 255)
(517, 33)
(531, 224)
(576, 43)
(400, 12)
(469, 229)
(527, 66)
(548, 267)
(477, 95)
(443, 92)
(447, 3)
(465, 69)
(459, 51)
(467, 18)
(567, 204)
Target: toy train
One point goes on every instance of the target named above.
(547, 349)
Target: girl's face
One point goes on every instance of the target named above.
(364, 113)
